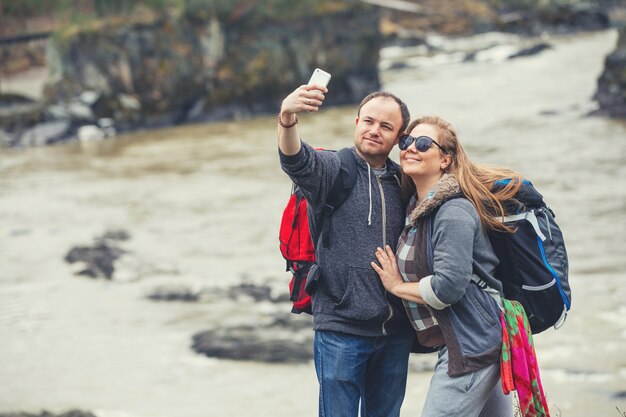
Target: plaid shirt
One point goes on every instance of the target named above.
(420, 315)
(413, 266)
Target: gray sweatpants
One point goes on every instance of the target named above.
(477, 394)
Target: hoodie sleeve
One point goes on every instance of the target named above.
(314, 171)
(453, 246)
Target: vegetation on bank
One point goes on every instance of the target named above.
(60, 13)
(64, 19)
(451, 16)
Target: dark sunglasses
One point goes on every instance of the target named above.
(422, 143)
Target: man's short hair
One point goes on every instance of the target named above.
(404, 110)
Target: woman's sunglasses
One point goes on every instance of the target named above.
(422, 143)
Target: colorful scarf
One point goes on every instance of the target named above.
(519, 368)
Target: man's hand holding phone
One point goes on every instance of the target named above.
(307, 97)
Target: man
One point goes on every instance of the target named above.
(362, 335)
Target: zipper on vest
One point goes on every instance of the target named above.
(384, 209)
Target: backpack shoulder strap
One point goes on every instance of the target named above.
(340, 190)
(348, 165)
(345, 180)
(484, 279)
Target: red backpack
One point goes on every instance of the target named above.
(296, 243)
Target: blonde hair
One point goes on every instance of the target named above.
(475, 180)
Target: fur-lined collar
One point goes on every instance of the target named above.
(446, 188)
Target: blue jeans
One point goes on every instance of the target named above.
(370, 369)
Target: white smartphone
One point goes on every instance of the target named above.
(319, 77)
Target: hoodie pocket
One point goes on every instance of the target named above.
(473, 298)
(364, 298)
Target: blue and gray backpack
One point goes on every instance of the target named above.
(533, 265)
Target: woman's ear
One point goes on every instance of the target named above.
(445, 162)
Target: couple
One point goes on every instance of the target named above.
(400, 263)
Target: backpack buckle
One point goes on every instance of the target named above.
(328, 210)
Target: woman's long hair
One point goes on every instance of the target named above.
(475, 180)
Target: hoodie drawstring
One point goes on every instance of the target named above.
(369, 181)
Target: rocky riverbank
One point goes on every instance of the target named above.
(209, 63)
(203, 64)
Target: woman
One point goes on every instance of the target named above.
(449, 205)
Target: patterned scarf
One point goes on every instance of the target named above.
(519, 368)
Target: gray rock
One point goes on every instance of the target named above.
(58, 111)
(532, 50)
(19, 112)
(89, 97)
(286, 339)
(174, 293)
(79, 111)
(255, 292)
(611, 92)
(244, 292)
(5, 138)
(108, 126)
(70, 413)
(89, 133)
(129, 102)
(43, 134)
(106, 122)
(98, 260)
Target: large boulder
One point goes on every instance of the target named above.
(215, 62)
(611, 93)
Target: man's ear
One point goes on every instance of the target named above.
(357, 121)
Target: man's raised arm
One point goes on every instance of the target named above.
(304, 98)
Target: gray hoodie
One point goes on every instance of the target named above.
(350, 297)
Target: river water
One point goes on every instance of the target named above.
(202, 204)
